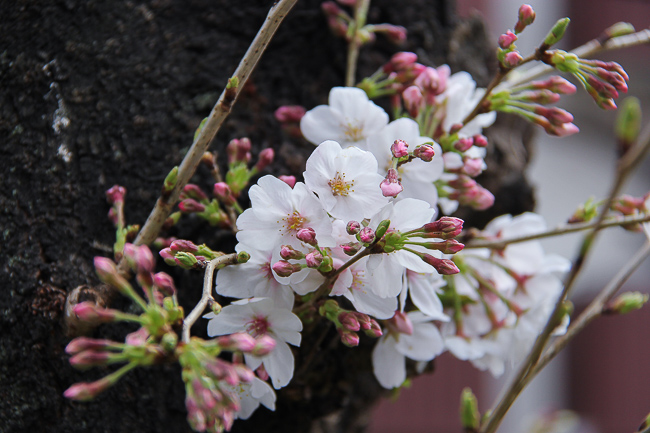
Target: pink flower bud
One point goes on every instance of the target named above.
(480, 140)
(443, 266)
(314, 259)
(285, 269)
(266, 158)
(287, 252)
(89, 312)
(137, 338)
(264, 345)
(526, 18)
(512, 59)
(239, 150)
(89, 358)
(478, 197)
(374, 330)
(289, 180)
(244, 373)
(425, 152)
(349, 338)
(168, 256)
(391, 186)
(353, 227)
(507, 39)
(565, 129)
(290, 113)
(395, 34)
(86, 391)
(349, 321)
(413, 100)
(80, 344)
(307, 235)
(400, 61)
(144, 259)
(473, 166)
(165, 283)
(447, 227)
(106, 270)
(399, 148)
(222, 191)
(189, 205)
(351, 248)
(451, 246)
(555, 84)
(464, 144)
(195, 192)
(115, 194)
(367, 235)
(261, 373)
(364, 320)
(453, 129)
(401, 323)
(183, 245)
(238, 341)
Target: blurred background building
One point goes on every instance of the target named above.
(602, 376)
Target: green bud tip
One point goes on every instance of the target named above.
(628, 123)
(557, 32)
(469, 414)
(628, 302)
(233, 83)
(619, 29)
(243, 257)
(170, 180)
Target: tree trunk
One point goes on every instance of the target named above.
(101, 93)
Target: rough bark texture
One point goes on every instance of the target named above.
(101, 93)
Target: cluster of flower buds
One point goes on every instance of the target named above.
(349, 323)
(340, 23)
(467, 191)
(394, 77)
(507, 53)
(239, 156)
(585, 212)
(530, 101)
(115, 197)
(314, 257)
(602, 80)
(210, 382)
(429, 83)
(195, 200)
(187, 255)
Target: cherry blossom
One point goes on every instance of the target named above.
(460, 97)
(349, 118)
(251, 395)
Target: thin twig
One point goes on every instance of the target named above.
(219, 113)
(360, 13)
(594, 309)
(206, 297)
(500, 244)
(587, 50)
(625, 167)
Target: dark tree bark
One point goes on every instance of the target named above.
(101, 93)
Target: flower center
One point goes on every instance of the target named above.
(266, 271)
(358, 282)
(353, 132)
(294, 222)
(258, 326)
(339, 186)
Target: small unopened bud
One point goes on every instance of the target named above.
(353, 227)
(469, 414)
(170, 181)
(285, 269)
(314, 259)
(263, 345)
(266, 158)
(165, 283)
(413, 100)
(222, 191)
(512, 59)
(287, 252)
(238, 341)
(168, 256)
(189, 205)
(391, 186)
(349, 338)
(351, 248)
(194, 191)
(307, 235)
(185, 260)
(453, 129)
(395, 34)
(443, 266)
(400, 61)
(473, 166)
(89, 358)
(619, 29)
(366, 235)
(399, 149)
(382, 227)
(290, 113)
(557, 32)
(327, 265)
(115, 194)
(183, 245)
(349, 321)
(374, 330)
(464, 144)
(87, 391)
(425, 152)
(627, 302)
(448, 227)
(289, 180)
(628, 124)
(507, 39)
(401, 323)
(451, 246)
(80, 344)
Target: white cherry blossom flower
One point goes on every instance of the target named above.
(251, 395)
(392, 349)
(260, 316)
(423, 291)
(345, 180)
(459, 98)
(416, 176)
(349, 118)
(278, 211)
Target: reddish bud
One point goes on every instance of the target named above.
(351, 248)
(400, 61)
(86, 391)
(464, 144)
(307, 235)
(80, 344)
(263, 345)
(507, 39)
(425, 152)
(349, 321)
(391, 186)
(89, 358)
(399, 148)
(238, 341)
(443, 266)
(89, 312)
(165, 283)
(289, 180)
(285, 269)
(287, 252)
(222, 191)
(189, 205)
(451, 246)
(473, 166)
(290, 113)
(525, 18)
(512, 59)
(366, 235)
(115, 194)
(401, 323)
(413, 100)
(314, 259)
(183, 245)
(349, 338)
(353, 227)
(266, 158)
(374, 329)
(195, 192)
